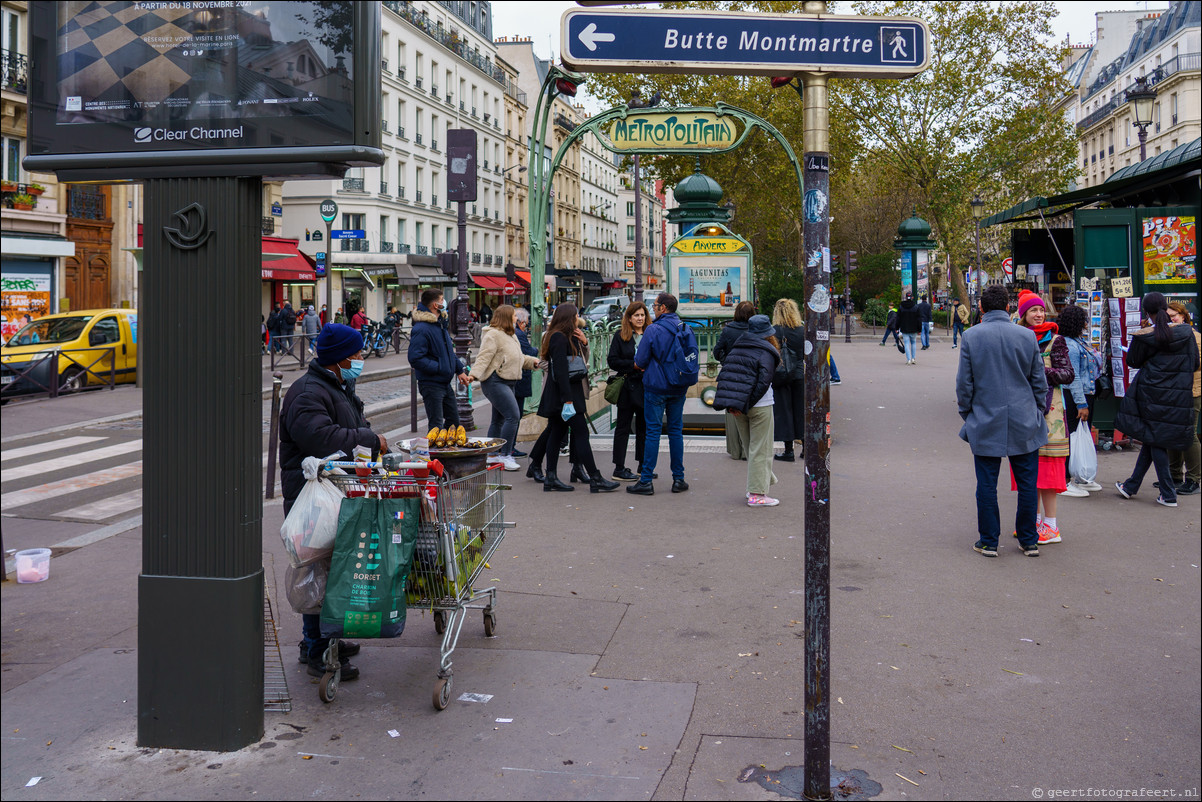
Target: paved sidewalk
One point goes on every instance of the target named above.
(651, 648)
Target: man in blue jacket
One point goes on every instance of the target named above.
(432, 357)
(662, 393)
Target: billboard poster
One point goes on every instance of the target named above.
(709, 286)
(906, 271)
(1170, 253)
(924, 281)
(157, 76)
(22, 294)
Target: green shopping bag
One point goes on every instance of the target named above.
(373, 553)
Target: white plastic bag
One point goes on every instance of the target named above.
(1082, 455)
(308, 531)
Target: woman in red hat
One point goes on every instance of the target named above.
(1058, 369)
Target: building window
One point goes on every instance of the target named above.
(630, 233)
(12, 158)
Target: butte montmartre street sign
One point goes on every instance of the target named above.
(740, 43)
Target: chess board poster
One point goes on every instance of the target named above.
(206, 74)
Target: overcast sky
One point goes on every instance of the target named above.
(541, 20)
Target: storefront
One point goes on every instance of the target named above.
(287, 274)
(28, 278)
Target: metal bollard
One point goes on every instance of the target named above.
(273, 440)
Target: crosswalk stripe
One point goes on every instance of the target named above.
(105, 508)
(18, 498)
(57, 445)
(70, 461)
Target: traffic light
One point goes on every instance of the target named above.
(834, 263)
(449, 262)
(851, 261)
(781, 80)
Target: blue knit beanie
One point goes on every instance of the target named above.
(336, 342)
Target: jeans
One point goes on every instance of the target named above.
(315, 644)
(957, 330)
(887, 333)
(1149, 456)
(628, 414)
(834, 371)
(654, 407)
(1025, 468)
(910, 341)
(442, 408)
(506, 415)
(926, 335)
(1190, 457)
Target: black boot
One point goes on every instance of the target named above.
(579, 474)
(551, 482)
(599, 484)
(535, 472)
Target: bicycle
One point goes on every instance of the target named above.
(375, 341)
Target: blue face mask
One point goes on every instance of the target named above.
(352, 373)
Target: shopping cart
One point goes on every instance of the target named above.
(461, 524)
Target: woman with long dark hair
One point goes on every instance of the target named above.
(1079, 394)
(564, 401)
(1158, 409)
(630, 400)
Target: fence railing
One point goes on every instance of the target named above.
(42, 374)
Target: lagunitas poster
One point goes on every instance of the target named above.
(1170, 253)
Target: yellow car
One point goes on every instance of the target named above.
(92, 345)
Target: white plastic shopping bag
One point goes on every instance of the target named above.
(308, 531)
(1082, 456)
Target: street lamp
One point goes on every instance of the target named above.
(520, 169)
(978, 212)
(1141, 97)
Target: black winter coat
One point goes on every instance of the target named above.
(318, 418)
(621, 362)
(789, 398)
(746, 374)
(557, 390)
(731, 333)
(525, 386)
(909, 319)
(1158, 409)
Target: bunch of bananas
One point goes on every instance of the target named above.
(445, 438)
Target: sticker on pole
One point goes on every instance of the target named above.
(820, 299)
(815, 205)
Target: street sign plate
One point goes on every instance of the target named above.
(510, 288)
(742, 43)
(348, 233)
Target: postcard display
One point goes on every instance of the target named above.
(1122, 318)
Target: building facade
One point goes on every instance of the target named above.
(599, 241)
(1164, 50)
(651, 219)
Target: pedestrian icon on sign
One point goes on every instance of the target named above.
(898, 45)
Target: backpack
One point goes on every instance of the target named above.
(288, 318)
(273, 320)
(682, 366)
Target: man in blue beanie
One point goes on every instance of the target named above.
(321, 415)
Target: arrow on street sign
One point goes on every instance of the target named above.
(742, 43)
(589, 36)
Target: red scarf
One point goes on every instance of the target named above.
(1045, 330)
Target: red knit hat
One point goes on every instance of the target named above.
(1026, 301)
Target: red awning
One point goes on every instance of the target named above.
(523, 276)
(489, 282)
(283, 261)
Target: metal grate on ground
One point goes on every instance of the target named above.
(276, 698)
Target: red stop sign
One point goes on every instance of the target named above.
(510, 288)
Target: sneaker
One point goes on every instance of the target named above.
(955, 346)
(1188, 488)
(1071, 489)
(1030, 551)
(760, 500)
(1047, 534)
(836, 381)
(510, 464)
(882, 345)
(1163, 501)
(1122, 490)
(515, 453)
(1091, 486)
(981, 548)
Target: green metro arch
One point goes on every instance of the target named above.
(540, 181)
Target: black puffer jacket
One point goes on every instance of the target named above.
(318, 418)
(746, 374)
(1158, 409)
(731, 333)
(909, 320)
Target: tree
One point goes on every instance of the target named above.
(981, 120)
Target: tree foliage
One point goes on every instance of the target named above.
(980, 121)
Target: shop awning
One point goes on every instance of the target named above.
(283, 261)
(489, 282)
(523, 277)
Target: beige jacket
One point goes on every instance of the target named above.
(501, 353)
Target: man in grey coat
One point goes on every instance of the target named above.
(1001, 391)
(311, 326)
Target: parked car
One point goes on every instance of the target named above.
(92, 344)
(609, 307)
